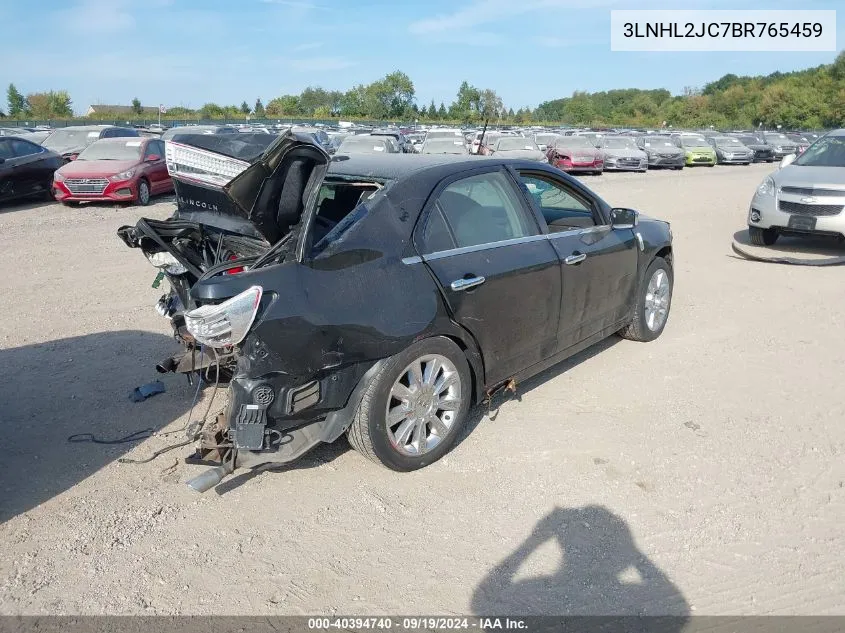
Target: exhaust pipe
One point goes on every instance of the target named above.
(210, 478)
(166, 366)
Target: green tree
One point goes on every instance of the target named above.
(136, 106)
(258, 110)
(245, 109)
(60, 104)
(16, 102)
(441, 112)
(49, 105)
(286, 105)
(490, 105)
(212, 111)
(466, 105)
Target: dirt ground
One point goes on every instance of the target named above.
(702, 473)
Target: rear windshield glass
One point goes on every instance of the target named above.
(514, 143)
(616, 142)
(110, 150)
(659, 141)
(67, 138)
(365, 144)
(573, 141)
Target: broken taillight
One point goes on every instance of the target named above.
(227, 323)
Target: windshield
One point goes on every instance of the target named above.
(71, 138)
(573, 141)
(658, 141)
(545, 138)
(514, 143)
(748, 140)
(444, 134)
(774, 136)
(828, 151)
(444, 146)
(727, 141)
(364, 144)
(694, 141)
(111, 150)
(615, 142)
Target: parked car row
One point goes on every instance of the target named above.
(84, 163)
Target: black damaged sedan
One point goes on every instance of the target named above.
(383, 296)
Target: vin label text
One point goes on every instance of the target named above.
(723, 30)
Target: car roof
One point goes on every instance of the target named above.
(86, 127)
(398, 166)
(125, 139)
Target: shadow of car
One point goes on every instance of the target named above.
(76, 385)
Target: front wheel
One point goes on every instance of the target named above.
(143, 193)
(762, 237)
(413, 409)
(654, 298)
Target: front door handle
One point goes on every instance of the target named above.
(575, 259)
(467, 283)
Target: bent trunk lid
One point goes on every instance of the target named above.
(233, 181)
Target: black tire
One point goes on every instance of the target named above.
(638, 329)
(143, 200)
(711, 164)
(368, 433)
(762, 237)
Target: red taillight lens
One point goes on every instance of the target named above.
(235, 270)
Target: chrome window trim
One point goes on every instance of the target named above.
(416, 259)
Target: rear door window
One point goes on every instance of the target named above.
(25, 148)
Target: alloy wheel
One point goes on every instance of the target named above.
(657, 300)
(423, 405)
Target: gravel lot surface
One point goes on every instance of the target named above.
(702, 473)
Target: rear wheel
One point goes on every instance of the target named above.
(413, 409)
(762, 237)
(654, 298)
(143, 198)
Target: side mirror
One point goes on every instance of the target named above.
(624, 218)
(787, 160)
(153, 158)
(2, 160)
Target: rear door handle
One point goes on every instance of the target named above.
(575, 259)
(466, 284)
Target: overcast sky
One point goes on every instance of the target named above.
(189, 52)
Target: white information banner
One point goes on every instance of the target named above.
(752, 30)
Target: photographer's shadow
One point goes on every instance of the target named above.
(602, 573)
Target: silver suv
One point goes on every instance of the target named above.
(806, 196)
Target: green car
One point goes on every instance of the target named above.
(698, 151)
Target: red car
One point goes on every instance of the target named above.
(575, 154)
(118, 169)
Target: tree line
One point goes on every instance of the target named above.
(810, 98)
(55, 104)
